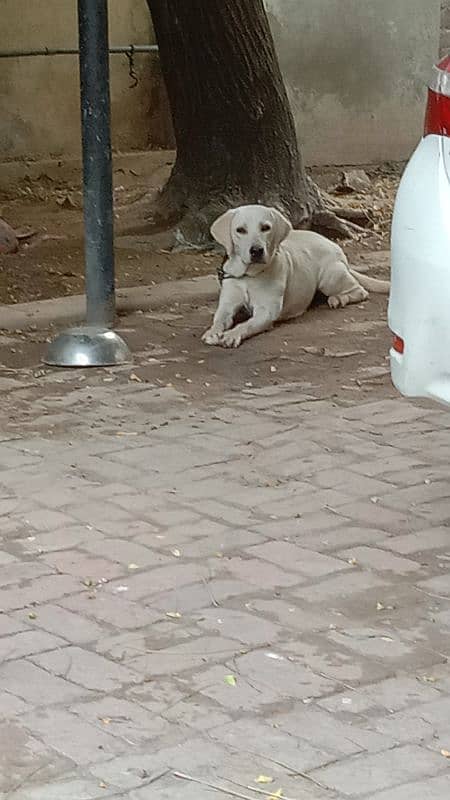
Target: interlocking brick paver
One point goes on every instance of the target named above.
(375, 515)
(379, 560)
(19, 572)
(129, 771)
(323, 730)
(22, 756)
(158, 580)
(122, 718)
(85, 669)
(340, 586)
(404, 499)
(61, 622)
(420, 542)
(115, 610)
(61, 539)
(11, 706)
(200, 595)
(393, 694)
(248, 629)
(126, 553)
(80, 788)
(72, 737)
(293, 614)
(46, 520)
(344, 536)
(45, 587)
(257, 736)
(183, 657)
(309, 564)
(9, 625)
(256, 572)
(371, 773)
(72, 562)
(431, 789)
(27, 643)
(259, 585)
(35, 685)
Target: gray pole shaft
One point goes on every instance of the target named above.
(97, 166)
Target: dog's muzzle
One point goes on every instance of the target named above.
(257, 254)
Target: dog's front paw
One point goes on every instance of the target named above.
(334, 302)
(231, 339)
(212, 337)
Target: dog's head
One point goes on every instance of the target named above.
(251, 235)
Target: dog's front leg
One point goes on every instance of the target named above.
(230, 301)
(262, 320)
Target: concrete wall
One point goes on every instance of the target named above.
(356, 72)
(39, 97)
(445, 27)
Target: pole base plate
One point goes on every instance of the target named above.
(87, 346)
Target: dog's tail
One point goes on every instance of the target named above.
(371, 284)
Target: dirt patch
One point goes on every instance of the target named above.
(337, 357)
(51, 262)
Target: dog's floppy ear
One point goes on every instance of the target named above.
(221, 230)
(281, 226)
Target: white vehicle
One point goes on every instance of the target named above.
(419, 305)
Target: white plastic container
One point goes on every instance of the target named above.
(419, 304)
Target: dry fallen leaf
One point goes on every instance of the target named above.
(445, 753)
(175, 552)
(134, 377)
(324, 351)
(278, 793)
(230, 680)
(133, 566)
(173, 614)
(264, 779)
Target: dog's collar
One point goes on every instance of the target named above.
(223, 276)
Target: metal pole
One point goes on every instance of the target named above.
(97, 166)
(94, 345)
(128, 50)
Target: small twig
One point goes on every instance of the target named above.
(431, 594)
(257, 790)
(213, 599)
(292, 770)
(214, 786)
(157, 776)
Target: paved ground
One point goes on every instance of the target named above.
(249, 584)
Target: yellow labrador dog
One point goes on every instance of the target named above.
(274, 273)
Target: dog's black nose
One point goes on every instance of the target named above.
(256, 253)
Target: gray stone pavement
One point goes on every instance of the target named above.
(257, 587)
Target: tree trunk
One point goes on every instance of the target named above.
(234, 130)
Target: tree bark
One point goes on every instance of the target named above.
(234, 130)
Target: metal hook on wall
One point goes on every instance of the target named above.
(131, 71)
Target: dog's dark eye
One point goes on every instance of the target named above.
(241, 230)
(265, 228)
